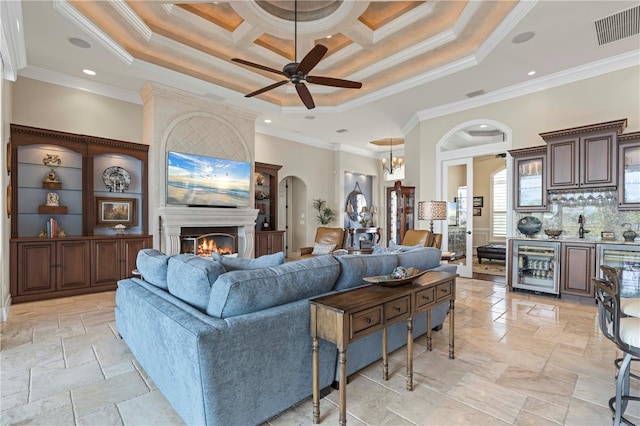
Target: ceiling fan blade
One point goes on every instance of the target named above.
(312, 58)
(335, 82)
(264, 89)
(254, 65)
(305, 95)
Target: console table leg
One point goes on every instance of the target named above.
(316, 381)
(429, 331)
(342, 361)
(410, 354)
(451, 328)
(385, 358)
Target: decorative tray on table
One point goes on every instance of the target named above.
(390, 281)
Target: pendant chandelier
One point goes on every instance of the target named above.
(393, 163)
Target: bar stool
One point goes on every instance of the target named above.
(625, 333)
(629, 306)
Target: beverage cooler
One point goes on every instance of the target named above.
(627, 257)
(536, 266)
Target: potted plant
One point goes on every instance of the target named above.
(325, 214)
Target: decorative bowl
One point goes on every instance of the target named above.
(390, 281)
(529, 225)
(553, 233)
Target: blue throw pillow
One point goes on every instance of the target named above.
(385, 250)
(393, 245)
(190, 278)
(153, 265)
(238, 263)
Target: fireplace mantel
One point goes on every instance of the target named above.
(173, 218)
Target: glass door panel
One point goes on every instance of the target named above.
(458, 182)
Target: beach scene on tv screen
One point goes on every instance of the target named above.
(207, 181)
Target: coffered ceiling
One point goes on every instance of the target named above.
(412, 57)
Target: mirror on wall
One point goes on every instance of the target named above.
(356, 204)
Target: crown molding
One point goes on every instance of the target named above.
(66, 80)
(132, 18)
(294, 137)
(13, 50)
(593, 69)
(90, 28)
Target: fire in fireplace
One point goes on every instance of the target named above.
(205, 243)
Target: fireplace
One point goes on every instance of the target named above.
(206, 241)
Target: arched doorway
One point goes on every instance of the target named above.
(457, 152)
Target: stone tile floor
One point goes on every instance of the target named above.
(521, 359)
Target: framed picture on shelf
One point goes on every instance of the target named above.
(477, 211)
(114, 211)
(478, 202)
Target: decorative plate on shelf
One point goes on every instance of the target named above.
(116, 179)
(529, 225)
(390, 281)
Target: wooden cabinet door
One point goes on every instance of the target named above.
(269, 242)
(530, 186)
(598, 160)
(36, 272)
(563, 169)
(578, 266)
(72, 264)
(277, 243)
(105, 261)
(129, 254)
(629, 173)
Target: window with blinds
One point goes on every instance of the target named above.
(499, 204)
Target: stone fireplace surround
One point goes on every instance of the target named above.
(174, 120)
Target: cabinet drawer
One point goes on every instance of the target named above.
(396, 308)
(364, 320)
(425, 297)
(443, 290)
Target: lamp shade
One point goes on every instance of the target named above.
(432, 210)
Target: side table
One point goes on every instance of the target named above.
(344, 317)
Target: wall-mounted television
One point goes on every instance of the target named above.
(196, 180)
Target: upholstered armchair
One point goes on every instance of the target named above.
(436, 241)
(325, 237)
(414, 237)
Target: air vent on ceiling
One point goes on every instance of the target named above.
(342, 131)
(475, 93)
(618, 26)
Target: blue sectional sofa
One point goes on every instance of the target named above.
(234, 348)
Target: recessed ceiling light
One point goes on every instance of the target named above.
(531, 73)
(310, 117)
(267, 120)
(523, 37)
(329, 36)
(78, 42)
(89, 72)
(483, 126)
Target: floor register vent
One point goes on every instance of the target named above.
(618, 26)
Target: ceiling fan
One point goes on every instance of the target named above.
(298, 72)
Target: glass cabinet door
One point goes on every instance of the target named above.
(530, 186)
(629, 175)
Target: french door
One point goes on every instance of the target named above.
(458, 192)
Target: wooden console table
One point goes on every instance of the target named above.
(347, 316)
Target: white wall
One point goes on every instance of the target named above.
(607, 97)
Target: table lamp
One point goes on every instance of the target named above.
(432, 210)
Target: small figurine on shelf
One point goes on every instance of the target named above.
(259, 179)
(53, 199)
(51, 160)
(120, 228)
(265, 225)
(51, 177)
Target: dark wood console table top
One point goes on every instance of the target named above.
(344, 317)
